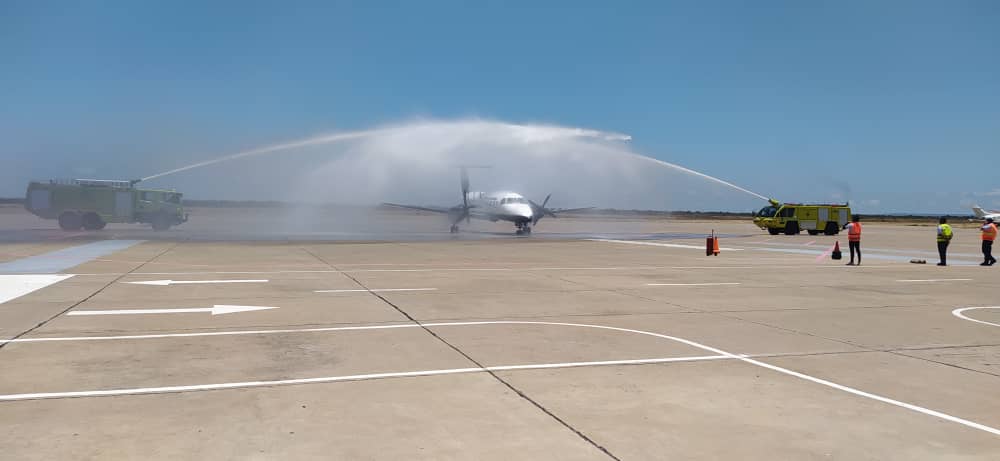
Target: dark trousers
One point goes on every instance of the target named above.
(988, 252)
(943, 252)
(855, 246)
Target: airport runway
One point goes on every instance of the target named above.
(592, 339)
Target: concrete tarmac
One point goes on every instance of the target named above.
(619, 344)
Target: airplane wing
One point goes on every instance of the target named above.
(442, 210)
(574, 210)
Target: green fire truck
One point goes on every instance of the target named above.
(93, 203)
(792, 218)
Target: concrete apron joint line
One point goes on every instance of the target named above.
(492, 373)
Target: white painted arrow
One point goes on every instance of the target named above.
(218, 309)
(192, 282)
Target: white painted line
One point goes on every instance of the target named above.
(15, 286)
(934, 280)
(743, 358)
(813, 379)
(373, 290)
(660, 244)
(238, 385)
(218, 309)
(851, 390)
(332, 379)
(607, 362)
(191, 282)
(209, 333)
(959, 313)
(707, 284)
(461, 269)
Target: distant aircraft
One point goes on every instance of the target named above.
(496, 206)
(982, 214)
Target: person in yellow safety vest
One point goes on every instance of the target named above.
(944, 235)
(854, 238)
(989, 235)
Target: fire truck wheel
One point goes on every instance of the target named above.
(831, 229)
(70, 221)
(161, 222)
(91, 221)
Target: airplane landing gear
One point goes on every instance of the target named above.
(454, 228)
(523, 229)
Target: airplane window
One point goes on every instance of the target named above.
(503, 201)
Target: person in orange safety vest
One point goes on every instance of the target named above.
(854, 238)
(989, 230)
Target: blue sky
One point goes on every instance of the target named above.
(892, 104)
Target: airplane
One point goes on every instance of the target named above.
(982, 214)
(496, 206)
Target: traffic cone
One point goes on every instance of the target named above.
(836, 251)
(715, 246)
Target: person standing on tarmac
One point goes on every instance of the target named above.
(854, 238)
(944, 235)
(989, 235)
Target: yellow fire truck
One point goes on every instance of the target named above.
(792, 218)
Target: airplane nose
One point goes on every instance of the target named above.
(524, 210)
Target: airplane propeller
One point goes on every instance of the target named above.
(539, 211)
(464, 213)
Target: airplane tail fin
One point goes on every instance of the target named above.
(980, 213)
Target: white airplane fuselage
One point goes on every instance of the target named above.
(982, 214)
(501, 206)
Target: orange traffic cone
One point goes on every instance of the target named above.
(836, 251)
(715, 246)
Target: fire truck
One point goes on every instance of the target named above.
(793, 218)
(93, 203)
